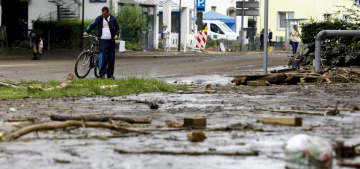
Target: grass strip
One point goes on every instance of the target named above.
(90, 87)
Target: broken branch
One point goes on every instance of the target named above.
(62, 125)
(8, 85)
(292, 111)
(100, 118)
(193, 153)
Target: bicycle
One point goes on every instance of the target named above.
(86, 60)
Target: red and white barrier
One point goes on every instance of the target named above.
(201, 40)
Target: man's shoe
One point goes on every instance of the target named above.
(111, 78)
(40, 56)
(102, 77)
(35, 57)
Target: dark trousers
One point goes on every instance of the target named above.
(270, 42)
(107, 58)
(261, 44)
(294, 46)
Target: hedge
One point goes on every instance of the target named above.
(339, 51)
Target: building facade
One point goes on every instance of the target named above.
(319, 10)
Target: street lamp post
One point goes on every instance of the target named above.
(266, 8)
(82, 25)
(179, 43)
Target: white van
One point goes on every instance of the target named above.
(219, 30)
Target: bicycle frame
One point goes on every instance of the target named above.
(91, 52)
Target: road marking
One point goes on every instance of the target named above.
(18, 65)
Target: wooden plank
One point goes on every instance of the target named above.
(195, 121)
(257, 83)
(282, 120)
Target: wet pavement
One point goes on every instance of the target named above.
(230, 105)
(88, 148)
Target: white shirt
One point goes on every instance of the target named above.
(106, 34)
(166, 32)
(295, 36)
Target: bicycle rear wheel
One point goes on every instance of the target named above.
(83, 65)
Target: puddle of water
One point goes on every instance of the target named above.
(200, 80)
(269, 69)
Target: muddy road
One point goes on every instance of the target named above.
(94, 148)
(55, 65)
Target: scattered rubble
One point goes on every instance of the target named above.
(196, 136)
(282, 120)
(329, 75)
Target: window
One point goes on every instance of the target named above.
(213, 8)
(225, 27)
(282, 16)
(327, 17)
(215, 28)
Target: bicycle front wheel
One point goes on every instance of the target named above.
(96, 67)
(83, 65)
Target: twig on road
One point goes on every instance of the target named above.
(62, 125)
(193, 153)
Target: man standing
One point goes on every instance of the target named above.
(108, 31)
(262, 40)
(36, 39)
(270, 37)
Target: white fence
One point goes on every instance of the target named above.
(174, 40)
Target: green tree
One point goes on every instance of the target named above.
(132, 22)
(353, 13)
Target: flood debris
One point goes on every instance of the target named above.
(23, 119)
(63, 84)
(343, 151)
(61, 161)
(282, 120)
(304, 151)
(195, 122)
(328, 75)
(100, 118)
(335, 111)
(293, 111)
(192, 153)
(66, 124)
(257, 83)
(196, 136)
(151, 104)
(344, 163)
(9, 85)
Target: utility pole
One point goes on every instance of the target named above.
(194, 18)
(179, 43)
(266, 8)
(242, 26)
(82, 25)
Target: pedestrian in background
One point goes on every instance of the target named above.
(270, 37)
(295, 39)
(36, 39)
(262, 40)
(108, 31)
(166, 37)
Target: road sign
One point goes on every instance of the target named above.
(200, 5)
(248, 12)
(247, 4)
(357, 2)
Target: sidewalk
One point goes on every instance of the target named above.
(159, 53)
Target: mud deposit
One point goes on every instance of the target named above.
(229, 105)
